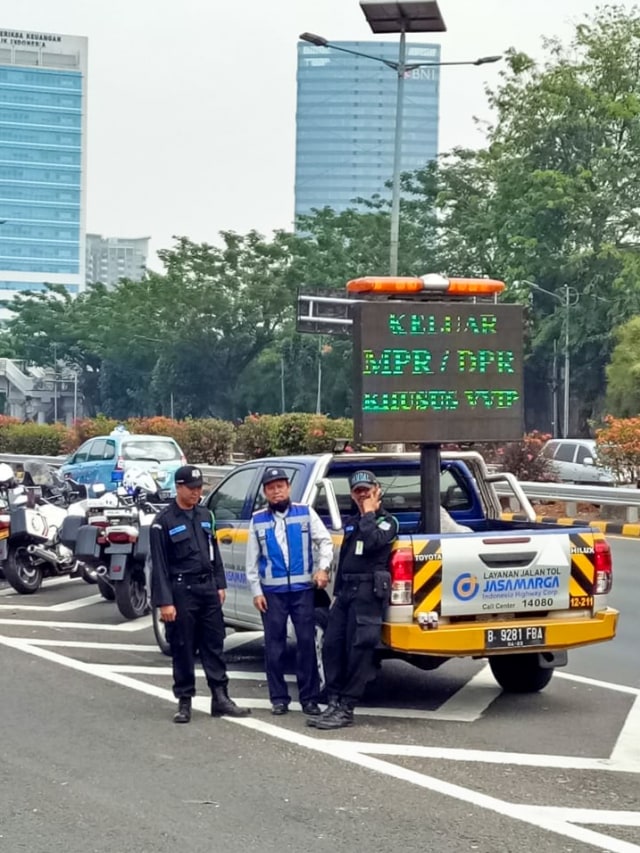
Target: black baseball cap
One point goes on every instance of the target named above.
(273, 474)
(189, 475)
(362, 478)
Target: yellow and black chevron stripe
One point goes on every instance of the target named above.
(427, 578)
(582, 570)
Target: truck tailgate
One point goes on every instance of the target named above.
(503, 572)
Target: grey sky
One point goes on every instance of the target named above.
(191, 104)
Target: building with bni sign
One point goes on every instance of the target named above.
(111, 258)
(345, 121)
(43, 84)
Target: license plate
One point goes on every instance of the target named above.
(514, 637)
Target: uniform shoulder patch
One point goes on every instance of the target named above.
(384, 524)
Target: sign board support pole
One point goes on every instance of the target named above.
(430, 488)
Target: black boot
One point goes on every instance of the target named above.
(340, 717)
(183, 714)
(222, 706)
(334, 702)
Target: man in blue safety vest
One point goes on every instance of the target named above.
(289, 551)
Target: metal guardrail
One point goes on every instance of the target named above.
(212, 474)
(571, 495)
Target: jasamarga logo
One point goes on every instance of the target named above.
(521, 584)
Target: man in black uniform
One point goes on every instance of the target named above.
(188, 584)
(362, 589)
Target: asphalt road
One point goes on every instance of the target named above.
(438, 761)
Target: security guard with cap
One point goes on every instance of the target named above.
(188, 584)
(289, 550)
(362, 591)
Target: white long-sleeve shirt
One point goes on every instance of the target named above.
(320, 538)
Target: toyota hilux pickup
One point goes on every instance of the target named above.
(519, 593)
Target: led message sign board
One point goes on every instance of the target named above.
(437, 372)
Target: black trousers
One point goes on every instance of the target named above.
(298, 606)
(353, 632)
(199, 626)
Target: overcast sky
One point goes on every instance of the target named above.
(191, 104)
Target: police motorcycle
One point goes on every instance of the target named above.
(118, 539)
(32, 518)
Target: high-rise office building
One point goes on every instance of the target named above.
(346, 112)
(43, 79)
(111, 258)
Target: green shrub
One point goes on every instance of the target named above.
(322, 433)
(255, 437)
(291, 433)
(208, 441)
(35, 439)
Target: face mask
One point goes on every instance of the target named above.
(280, 506)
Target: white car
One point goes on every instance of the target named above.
(575, 460)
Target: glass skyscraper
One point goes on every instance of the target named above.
(345, 121)
(43, 80)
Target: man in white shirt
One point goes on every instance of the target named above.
(289, 551)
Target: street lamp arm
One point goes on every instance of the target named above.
(320, 41)
(535, 286)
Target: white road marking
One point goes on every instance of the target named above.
(593, 682)
(472, 700)
(78, 644)
(80, 626)
(627, 747)
(242, 638)
(74, 604)
(602, 816)
(538, 816)
(47, 583)
(561, 762)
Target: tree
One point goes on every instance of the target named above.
(623, 372)
(553, 196)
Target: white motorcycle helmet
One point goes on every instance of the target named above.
(137, 478)
(6, 473)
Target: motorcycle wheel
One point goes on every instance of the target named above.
(105, 589)
(159, 630)
(20, 571)
(88, 573)
(131, 594)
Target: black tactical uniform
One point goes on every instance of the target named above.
(362, 590)
(187, 572)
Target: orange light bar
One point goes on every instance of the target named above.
(371, 284)
(430, 283)
(474, 286)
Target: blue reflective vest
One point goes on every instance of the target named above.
(275, 574)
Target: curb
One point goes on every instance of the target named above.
(602, 526)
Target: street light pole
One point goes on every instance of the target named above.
(401, 67)
(567, 306)
(570, 294)
(397, 157)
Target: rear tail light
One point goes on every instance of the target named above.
(603, 566)
(401, 567)
(122, 535)
(120, 464)
(183, 459)
(5, 521)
